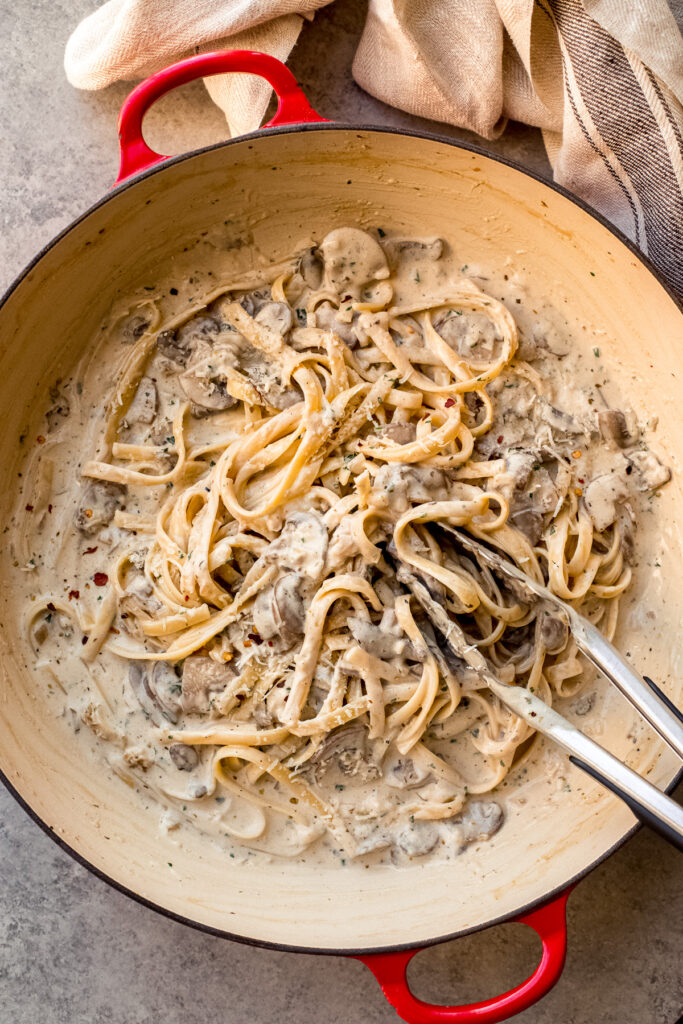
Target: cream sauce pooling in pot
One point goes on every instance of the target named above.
(217, 592)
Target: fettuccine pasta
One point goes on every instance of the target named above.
(264, 467)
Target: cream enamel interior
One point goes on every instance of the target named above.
(280, 190)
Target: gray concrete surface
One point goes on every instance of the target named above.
(72, 951)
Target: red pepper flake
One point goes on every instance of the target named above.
(114, 630)
(50, 607)
(247, 643)
(29, 508)
(449, 403)
(74, 594)
(90, 551)
(258, 640)
(40, 439)
(49, 508)
(499, 440)
(100, 579)
(187, 597)
(581, 480)
(84, 640)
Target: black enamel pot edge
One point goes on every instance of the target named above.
(159, 168)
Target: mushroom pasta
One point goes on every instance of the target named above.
(268, 464)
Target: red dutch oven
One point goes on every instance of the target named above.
(275, 189)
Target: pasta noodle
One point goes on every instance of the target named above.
(290, 447)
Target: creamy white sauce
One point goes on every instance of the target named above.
(62, 569)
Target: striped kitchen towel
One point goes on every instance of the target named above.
(602, 79)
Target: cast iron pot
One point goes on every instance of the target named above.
(277, 188)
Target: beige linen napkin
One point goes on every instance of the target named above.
(603, 79)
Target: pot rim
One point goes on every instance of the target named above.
(157, 168)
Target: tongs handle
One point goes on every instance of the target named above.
(646, 697)
(644, 812)
(645, 801)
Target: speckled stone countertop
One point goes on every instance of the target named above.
(72, 950)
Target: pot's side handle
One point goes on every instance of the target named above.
(550, 923)
(292, 108)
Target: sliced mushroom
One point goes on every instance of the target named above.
(277, 316)
(143, 408)
(472, 335)
(418, 838)
(133, 327)
(650, 472)
(204, 382)
(156, 689)
(544, 494)
(528, 348)
(265, 375)
(202, 678)
(413, 249)
(301, 546)
(480, 820)
(377, 839)
(377, 641)
(252, 302)
(554, 632)
(279, 610)
(326, 320)
(99, 501)
(184, 758)
(165, 686)
(353, 259)
(424, 483)
(534, 493)
(405, 774)
(179, 345)
(401, 484)
(311, 268)
(527, 520)
(564, 425)
(518, 466)
(344, 753)
(603, 494)
(138, 601)
(401, 433)
(262, 715)
(613, 428)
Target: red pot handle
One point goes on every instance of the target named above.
(292, 107)
(550, 923)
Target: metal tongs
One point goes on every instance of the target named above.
(648, 804)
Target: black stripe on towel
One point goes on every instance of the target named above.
(622, 116)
